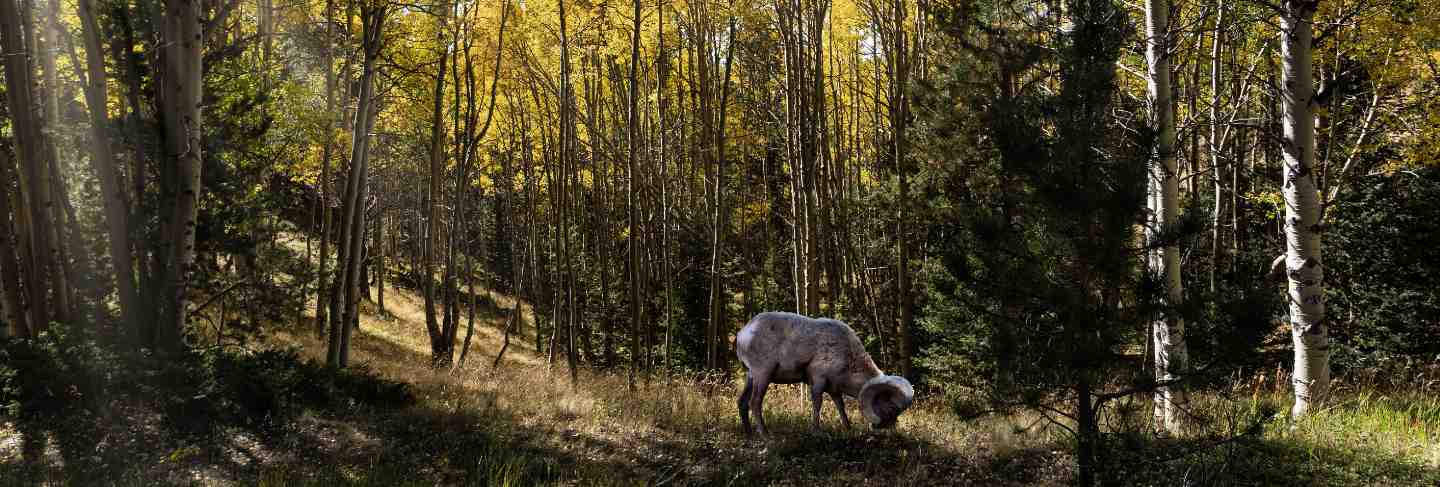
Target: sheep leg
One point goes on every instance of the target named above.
(761, 382)
(817, 397)
(840, 405)
(744, 403)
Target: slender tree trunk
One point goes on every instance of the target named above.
(38, 252)
(11, 309)
(379, 247)
(1169, 329)
(182, 82)
(1215, 144)
(662, 71)
(514, 321)
(899, 67)
(1087, 432)
(322, 291)
(1304, 265)
(18, 80)
(356, 188)
(433, 193)
(567, 134)
(102, 161)
(632, 214)
(53, 196)
(714, 350)
(124, 54)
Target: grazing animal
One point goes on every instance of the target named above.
(787, 348)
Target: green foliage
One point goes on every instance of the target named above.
(57, 374)
(1040, 252)
(1381, 270)
(1228, 329)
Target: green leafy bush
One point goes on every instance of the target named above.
(1383, 263)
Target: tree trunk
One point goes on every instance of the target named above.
(379, 247)
(11, 309)
(322, 291)
(1086, 431)
(899, 66)
(1304, 265)
(663, 107)
(353, 224)
(1215, 144)
(567, 134)
(18, 81)
(1169, 329)
(662, 70)
(632, 214)
(102, 161)
(53, 196)
(714, 347)
(433, 195)
(182, 93)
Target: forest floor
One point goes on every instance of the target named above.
(525, 423)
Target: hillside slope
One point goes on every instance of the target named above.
(395, 421)
(524, 421)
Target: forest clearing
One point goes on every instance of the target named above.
(720, 242)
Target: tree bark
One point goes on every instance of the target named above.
(18, 81)
(632, 214)
(11, 307)
(433, 194)
(356, 187)
(1215, 143)
(379, 249)
(898, 63)
(714, 347)
(53, 196)
(567, 134)
(1169, 329)
(1304, 266)
(322, 291)
(662, 70)
(182, 94)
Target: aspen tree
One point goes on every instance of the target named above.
(1303, 265)
(1164, 208)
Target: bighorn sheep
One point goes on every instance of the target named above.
(787, 348)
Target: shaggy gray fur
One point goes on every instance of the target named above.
(787, 348)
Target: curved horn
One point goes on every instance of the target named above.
(884, 397)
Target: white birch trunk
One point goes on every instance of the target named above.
(182, 77)
(1169, 330)
(1304, 268)
(51, 194)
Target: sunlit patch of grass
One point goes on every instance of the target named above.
(1403, 424)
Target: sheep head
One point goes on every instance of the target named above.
(883, 398)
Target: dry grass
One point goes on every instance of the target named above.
(684, 429)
